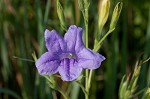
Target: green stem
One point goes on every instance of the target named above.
(99, 32)
(90, 77)
(86, 28)
(86, 71)
(99, 43)
(96, 49)
(136, 94)
(63, 94)
(53, 84)
(86, 35)
(86, 84)
(82, 87)
(84, 8)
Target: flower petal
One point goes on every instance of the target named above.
(54, 41)
(88, 59)
(73, 38)
(48, 63)
(69, 70)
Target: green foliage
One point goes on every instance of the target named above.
(22, 25)
(128, 86)
(61, 15)
(146, 94)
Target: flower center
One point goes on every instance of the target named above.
(68, 55)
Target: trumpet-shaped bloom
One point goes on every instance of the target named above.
(67, 55)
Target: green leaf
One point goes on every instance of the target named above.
(9, 92)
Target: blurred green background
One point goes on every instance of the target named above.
(22, 25)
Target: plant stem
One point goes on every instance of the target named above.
(53, 84)
(84, 5)
(86, 28)
(91, 71)
(86, 71)
(63, 94)
(89, 80)
(99, 43)
(86, 83)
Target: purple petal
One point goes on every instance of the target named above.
(69, 70)
(48, 63)
(54, 41)
(88, 59)
(73, 38)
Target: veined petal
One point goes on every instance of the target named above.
(73, 38)
(54, 41)
(48, 63)
(69, 70)
(88, 59)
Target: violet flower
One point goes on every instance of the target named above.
(67, 55)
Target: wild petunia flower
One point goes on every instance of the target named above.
(67, 55)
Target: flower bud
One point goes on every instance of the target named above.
(116, 14)
(61, 15)
(135, 76)
(103, 14)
